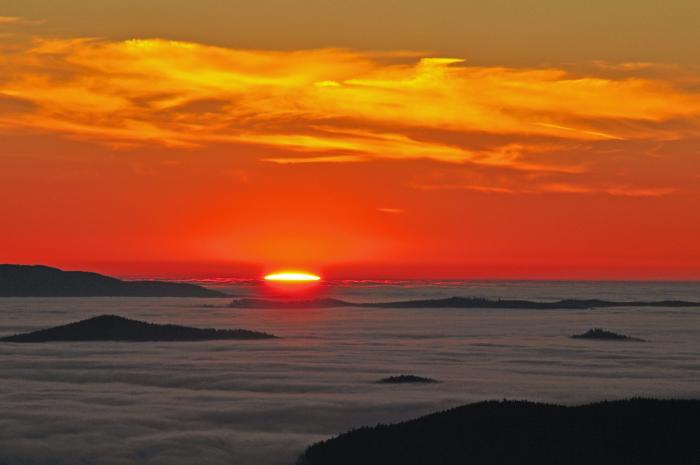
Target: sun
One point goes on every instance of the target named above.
(293, 276)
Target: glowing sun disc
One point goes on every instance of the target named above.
(292, 276)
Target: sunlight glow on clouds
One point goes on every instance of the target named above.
(548, 127)
(327, 105)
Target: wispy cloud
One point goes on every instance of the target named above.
(624, 191)
(342, 106)
(5, 20)
(391, 210)
(559, 188)
(320, 159)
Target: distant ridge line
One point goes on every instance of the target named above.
(45, 281)
(459, 302)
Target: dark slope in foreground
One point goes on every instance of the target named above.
(44, 281)
(638, 431)
(117, 328)
(458, 302)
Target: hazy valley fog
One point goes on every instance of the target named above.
(262, 402)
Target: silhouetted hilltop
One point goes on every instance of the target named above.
(458, 302)
(630, 432)
(44, 281)
(117, 328)
(406, 379)
(601, 334)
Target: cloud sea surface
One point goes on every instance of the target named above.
(262, 402)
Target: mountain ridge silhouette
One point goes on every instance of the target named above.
(458, 302)
(46, 281)
(118, 328)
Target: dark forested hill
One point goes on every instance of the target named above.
(117, 328)
(44, 281)
(638, 431)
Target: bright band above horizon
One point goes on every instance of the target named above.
(292, 276)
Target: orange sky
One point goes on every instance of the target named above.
(174, 158)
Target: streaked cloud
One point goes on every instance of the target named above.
(9, 19)
(17, 20)
(391, 210)
(321, 159)
(328, 105)
(559, 188)
(624, 191)
(534, 130)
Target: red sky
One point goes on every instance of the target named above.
(178, 158)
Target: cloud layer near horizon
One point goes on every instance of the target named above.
(263, 402)
(334, 105)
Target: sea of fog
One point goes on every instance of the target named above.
(262, 402)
